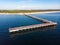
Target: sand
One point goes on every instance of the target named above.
(30, 13)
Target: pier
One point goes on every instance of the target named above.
(12, 35)
(45, 23)
(40, 19)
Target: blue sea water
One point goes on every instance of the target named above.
(49, 36)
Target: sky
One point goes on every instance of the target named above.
(29, 4)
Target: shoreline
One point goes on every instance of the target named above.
(31, 13)
(43, 12)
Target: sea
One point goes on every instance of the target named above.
(39, 36)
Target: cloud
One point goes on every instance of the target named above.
(28, 4)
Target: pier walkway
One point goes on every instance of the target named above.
(40, 19)
(44, 24)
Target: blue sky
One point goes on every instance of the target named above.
(29, 4)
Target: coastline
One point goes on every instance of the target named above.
(31, 13)
(43, 12)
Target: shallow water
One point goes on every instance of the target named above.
(46, 36)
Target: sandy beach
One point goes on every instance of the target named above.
(30, 13)
(43, 12)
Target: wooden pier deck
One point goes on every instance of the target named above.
(46, 23)
(40, 19)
